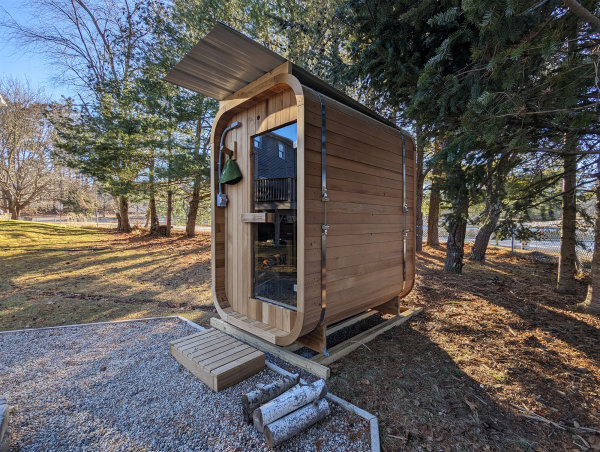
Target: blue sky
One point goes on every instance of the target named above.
(23, 63)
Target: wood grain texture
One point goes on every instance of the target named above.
(365, 187)
(217, 359)
(267, 346)
(364, 242)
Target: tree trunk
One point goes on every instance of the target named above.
(433, 217)
(296, 422)
(419, 206)
(118, 215)
(289, 401)
(169, 212)
(492, 211)
(154, 224)
(457, 225)
(123, 215)
(14, 213)
(455, 250)
(190, 227)
(482, 239)
(566, 263)
(567, 260)
(169, 188)
(147, 217)
(254, 399)
(592, 301)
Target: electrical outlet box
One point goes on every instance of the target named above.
(222, 200)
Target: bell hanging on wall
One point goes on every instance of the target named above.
(231, 173)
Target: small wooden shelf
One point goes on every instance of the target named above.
(258, 217)
(217, 359)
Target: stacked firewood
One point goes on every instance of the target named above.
(5, 412)
(285, 408)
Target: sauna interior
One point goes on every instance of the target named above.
(321, 225)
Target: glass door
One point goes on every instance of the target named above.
(274, 247)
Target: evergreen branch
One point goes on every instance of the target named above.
(584, 14)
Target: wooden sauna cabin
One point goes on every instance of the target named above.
(321, 226)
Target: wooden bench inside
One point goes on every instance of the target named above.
(216, 358)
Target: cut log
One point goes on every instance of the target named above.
(289, 401)
(264, 393)
(294, 423)
(4, 412)
(5, 443)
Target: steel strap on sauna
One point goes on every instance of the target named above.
(404, 210)
(324, 199)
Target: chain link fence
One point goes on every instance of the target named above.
(545, 240)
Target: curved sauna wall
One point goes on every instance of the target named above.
(273, 274)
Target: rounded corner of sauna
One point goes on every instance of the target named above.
(220, 303)
(256, 229)
(410, 285)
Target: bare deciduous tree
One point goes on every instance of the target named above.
(25, 145)
(93, 42)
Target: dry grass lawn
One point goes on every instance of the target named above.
(53, 275)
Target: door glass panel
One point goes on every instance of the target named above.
(274, 192)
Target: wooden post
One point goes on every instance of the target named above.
(294, 423)
(264, 393)
(287, 402)
(315, 340)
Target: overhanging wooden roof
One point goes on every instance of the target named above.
(225, 61)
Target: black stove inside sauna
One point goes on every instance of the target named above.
(274, 164)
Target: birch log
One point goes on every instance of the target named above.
(294, 423)
(264, 393)
(289, 401)
(4, 412)
(5, 443)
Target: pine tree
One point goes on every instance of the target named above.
(107, 141)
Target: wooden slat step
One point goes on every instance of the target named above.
(216, 358)
(260, 329)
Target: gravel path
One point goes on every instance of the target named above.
(116, 387)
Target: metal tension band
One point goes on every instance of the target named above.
(404, 209)
(324, 199)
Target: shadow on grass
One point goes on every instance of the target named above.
(36, 310)
(18, 229)
(107, 277)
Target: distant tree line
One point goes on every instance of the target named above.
(502, 97)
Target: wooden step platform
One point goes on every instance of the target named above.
(317, 365)
(216, 358)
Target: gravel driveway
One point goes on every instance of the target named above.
(116, 387)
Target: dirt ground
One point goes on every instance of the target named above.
(497, 361)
